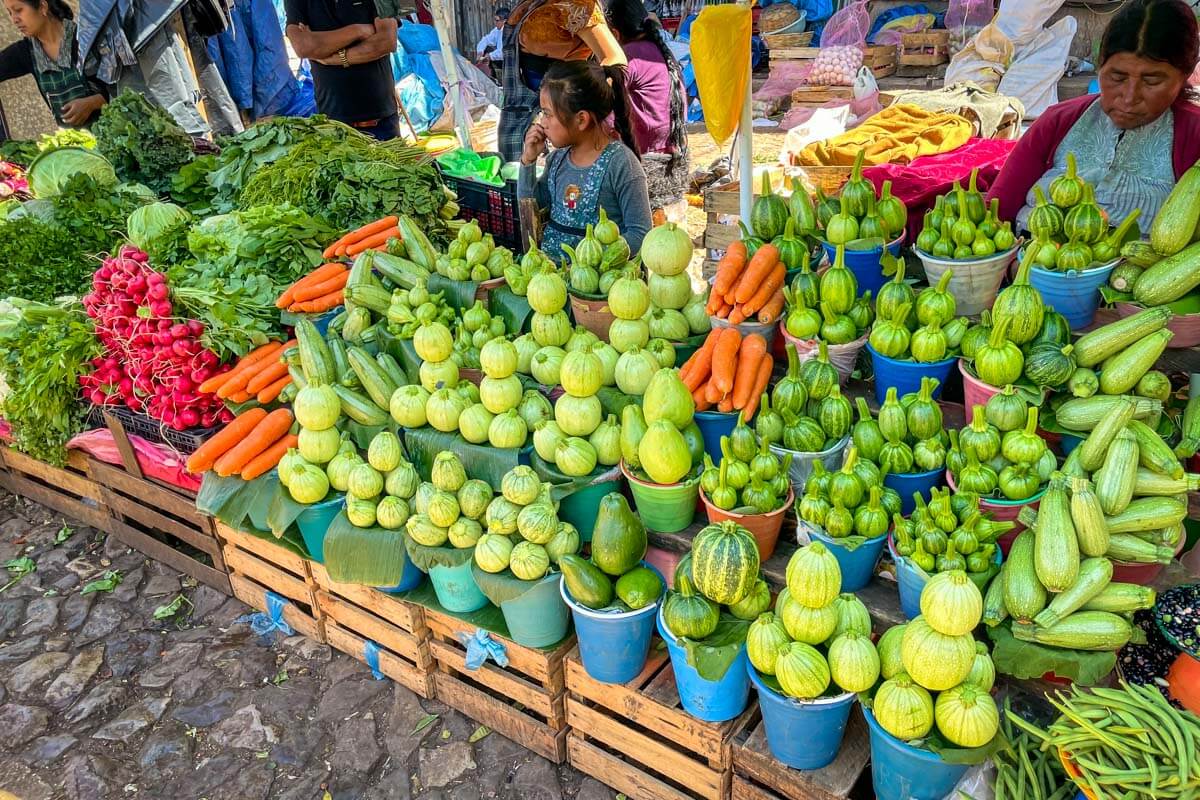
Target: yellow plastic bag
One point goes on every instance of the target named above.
(721, 59)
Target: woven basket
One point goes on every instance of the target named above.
(777, 17)
(592, 314)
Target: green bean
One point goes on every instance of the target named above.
(1183, 753)
(1028, 767)
(1069, 713)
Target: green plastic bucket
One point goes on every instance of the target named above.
(456, 588)
(666, 508)
(580, 508)
(314, 523)
(538, 618)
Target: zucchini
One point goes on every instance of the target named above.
(1094, 575)
(1145, 514)
(1092, 348)
(1169, 279)
(1139, 253)
(290, 355)
(298, 379)
(1091, 529)
(392, 368)
(1122, 598)
(1072, 468)
(341, 364)
(994, 611)
(416, 243)
(1124, 276)
(358, 321)
(1024, 595)
(1081, 414)
(1083, 630)
(400, 271)
(1190, 429)
(289, 392)
(360, 409)
(360, 270)
(1154, 454)
(337, 322)
(1114, 481)
(1131, 549)
(1055, 547)
(1121, 372)
(1175, 222)
(377, 383)
(375, 298)
(315, 358)
(1093, 448)
(1149, 483)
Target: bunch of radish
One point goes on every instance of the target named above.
(152, 362)
(835, 66)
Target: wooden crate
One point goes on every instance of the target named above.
(69, 489)
(354, 615)
(925, 49)
(162, 522)
(524, 701)
(257, 566)
(637, 738)
(759, 776)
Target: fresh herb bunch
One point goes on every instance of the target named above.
(143, 142)
(190, 187)
(41, 260)
(45, 349)
(67, 137)
(96, 215)
(19, 151)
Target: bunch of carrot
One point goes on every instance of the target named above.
(746, 287)
(729, 371)
(260, 374)
(249, 446)
(373, 236)
(319, 290)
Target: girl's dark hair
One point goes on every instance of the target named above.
(1160, 30)
(631, 21)
(57, 8)
(576, 86)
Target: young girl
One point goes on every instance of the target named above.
(588, 170)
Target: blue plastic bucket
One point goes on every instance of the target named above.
(1069, 442)
(456, 589)
(710, 701)
(858, 565)
(908, 482)
(314, 523)
(1075, 295)
(865, 264)
(581, 508)
(410, 578)
(906, 375)
(911, 580)
(802, 734)
(901, 772)
(539, 617)
(713, 425)
(613, 646)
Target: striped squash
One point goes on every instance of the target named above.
(725, 562)
(813, 576)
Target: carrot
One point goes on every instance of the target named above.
(214, 383)
(774, 307)
(713, 393)
(723, 311)
(731, 267)
(715, 301)
(264, 434)
(738, 315)
(764, 292)
(724, 359)
(224, 439)
(700, 397)
(271, 392)
(321, 273)
(266, 460)
(754, 347)
(760, 386)
(368, 230)
(244, 374)
(375, 240)
(266, 377)
(757, 271)
(315, 290)
(241, 397)
(255, 356)
(322, 303)
(702, 364)
(726, 404)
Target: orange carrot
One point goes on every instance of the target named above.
(738, 315)
(723, 311)
(754, 347)
(322, 303)
(726, 404)
(374, 240)
(724, 359)
(774, 307)
(264, 434)
(253, 357)
(214, 383)
(760, 386)
(715, 300)
(268, 394)
(315, 290)
(321, 273)
(757, 271)
(268, 375)
(764, 292)
(713, 393)
(266, 460)
(370, 229)
(702, 361)
(731, 267)
(700, 397)
(224, 439)
(240, 397)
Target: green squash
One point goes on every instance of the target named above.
(689, 614)
(935, 660)
(765, 640)
(618, 538)
(802, 671)
(813, 576)
(1086, 221)
(639, 587)
(392, 513)
(725, 562)
(1067, 189)
(1050, 364)
(756, 602)
(1045, 220)
(361, 513)
(493, 552)
(1020, 306)
(588, 585)
(664, 453)
(903, 708)
(890, 663)
(447, 472)
(422, 531)
(853, 662)
(809, 625)
(565, 543)
(967, 715)
(769, 214)
(529, 561)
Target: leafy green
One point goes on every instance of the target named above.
(53, 168)
(142, 141)
(712, 657)
(1028, 660)
(19, 151)
(190, 187)
(67, 137)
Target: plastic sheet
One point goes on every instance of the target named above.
(154, 460)
(480, 647)
(720, 39)
(848, 27)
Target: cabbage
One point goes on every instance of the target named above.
(149, 222)
(53, 168)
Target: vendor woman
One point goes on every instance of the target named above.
(1134, 139)
(589, 169)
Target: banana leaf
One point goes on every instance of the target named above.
(425, 557)
(400, 349)
(233, 500)
(1029, 660)
(369, 556)
(488, 618)
(562, 486)
(284, 510)
(459, 294)
(482, 461)
(511, 307)
(500, 587)
(712, 657)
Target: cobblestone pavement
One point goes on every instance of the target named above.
(99, 699)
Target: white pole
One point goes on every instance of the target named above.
(454, 91)
(746, 149)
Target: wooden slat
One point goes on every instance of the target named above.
(407, 616)
(382, 632)
(745, 790)
(63, 503)
(506, 683)
(123, 506)
(753, 760)
(255, 595)
(276, 554)
(160, 551)
(544, 666)
(614, 772)
(148, 492)
(418, 680)
(240, 562)
(501, 717)
(73, 482)
(719, 236)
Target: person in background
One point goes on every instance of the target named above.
(657, 106)
(48, 51)
(1134, 139)
(589, 169)
(538, 34)
(491, 46)
(350, 49)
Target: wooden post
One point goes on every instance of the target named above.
(443, 23)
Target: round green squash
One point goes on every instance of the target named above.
(809, 625)
(853, 662)
(934, 660)
(802, 671)
(814, 577)
(903, 708)
(688, 613)
(725, 562)
(765, 639)
(890, 663)
(967, 715)
(951, 603)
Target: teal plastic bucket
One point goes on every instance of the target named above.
(865, 264)
(802, 734)
(539, 617)
(580, 508)
(710, 701)
(456, 588)
(905, 483)
(858, 565)
(314, 523)
(612, 645)
(1074, 294)
(901, 772)
(906, 376)
(713, 425)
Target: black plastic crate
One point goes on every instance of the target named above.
(496, 208)
(150, 429)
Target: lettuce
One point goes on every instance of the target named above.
(53, 168)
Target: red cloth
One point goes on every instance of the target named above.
(1035, 150)
(155, 460)
(919, 183)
